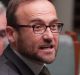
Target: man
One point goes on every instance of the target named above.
(3, 38)
(33, 31)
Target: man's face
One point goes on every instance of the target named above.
(2, 31)
(41, 47)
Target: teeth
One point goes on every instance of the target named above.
(45, 46)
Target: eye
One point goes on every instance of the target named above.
(2, 33)
(38, 27)
(53, 27)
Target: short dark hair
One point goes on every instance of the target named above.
(11, 9)
(10, 13)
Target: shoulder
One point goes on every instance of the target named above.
(6, 67)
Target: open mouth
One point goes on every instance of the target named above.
(46, 46)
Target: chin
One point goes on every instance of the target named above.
(49, 61)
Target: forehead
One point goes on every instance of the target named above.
(38, 8)
(3, 20)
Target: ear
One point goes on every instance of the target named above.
(11, 34)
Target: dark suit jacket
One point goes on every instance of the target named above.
(11, 64)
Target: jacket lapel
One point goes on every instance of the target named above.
(22, 68)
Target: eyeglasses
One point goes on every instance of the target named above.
(41, 28)
(2, 33)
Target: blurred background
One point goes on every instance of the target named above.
(69, 14)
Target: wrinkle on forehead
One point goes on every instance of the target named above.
(3, 21)
(38, 7)
(41, 7)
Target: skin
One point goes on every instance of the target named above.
(2, 27)
(25, 41)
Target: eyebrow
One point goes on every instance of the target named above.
(36, 20)
(39, 20)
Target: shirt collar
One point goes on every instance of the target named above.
(35, 66)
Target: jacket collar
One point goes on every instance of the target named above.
(20, 65)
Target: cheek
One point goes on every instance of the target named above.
(30, 40)
(35, 41)
(1, 47)
(56, 39)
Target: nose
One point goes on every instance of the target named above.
(48, 35)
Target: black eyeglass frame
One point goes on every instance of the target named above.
(2, 33)
(17, 26)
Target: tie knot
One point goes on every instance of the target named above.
(44, 71)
